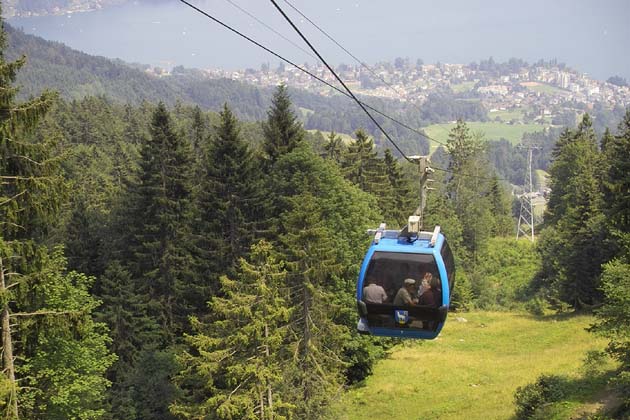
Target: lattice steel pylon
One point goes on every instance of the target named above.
(525, 225)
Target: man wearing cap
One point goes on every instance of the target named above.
(405, 293)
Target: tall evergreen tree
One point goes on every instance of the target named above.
(282, 130)
(158, 253)
(335, 147)
(468, 187)
(199, 132)
(403, 198)
(501, 209)
(234, 369)
(313, 376)
(159, 222)
(363, 167)
(345, 212)
(613, 322)
(230, 199)
(575, 206)
(125, 313)
(616, 183)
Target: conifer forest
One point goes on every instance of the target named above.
(163, 261)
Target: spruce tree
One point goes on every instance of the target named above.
(157, 250)
(468, 187)
(403, 198)
(234, 369)
(125, 313)
(363, 167)
(501, 209)
(335, 147)
(282, 130)
(613, 322)
(313, 376)
(616, 183)
(575, 213)
(160, 258)
(230, 199)
(343, 213)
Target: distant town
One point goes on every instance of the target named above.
(532, 92)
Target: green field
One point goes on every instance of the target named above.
(544, 88)
(473, 368)
(463, 87)
(505, 116)
(490, 130)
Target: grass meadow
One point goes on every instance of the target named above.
(507, 115)
(463, 87)
(490, 130)
(473, 368)
(544, 88)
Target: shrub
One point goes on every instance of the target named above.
(536, 306)
(546, 389)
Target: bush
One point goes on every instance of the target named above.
(536, 306)
(595, 363)
(462, 298)
(546, 389)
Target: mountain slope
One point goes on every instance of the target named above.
(75, 74)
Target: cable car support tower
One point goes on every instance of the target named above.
(525, 225)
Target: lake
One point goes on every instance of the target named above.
(589, 36)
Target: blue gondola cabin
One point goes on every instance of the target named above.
(405, 284)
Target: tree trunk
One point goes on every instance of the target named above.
(7, 346)
(268, 355)
(306, 340)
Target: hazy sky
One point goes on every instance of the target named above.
(591, 36)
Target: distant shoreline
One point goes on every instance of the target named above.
(11, 12)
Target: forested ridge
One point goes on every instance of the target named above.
(162, 261)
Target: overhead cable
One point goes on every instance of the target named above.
(347, 94)
(368, 68)
(258, 44)
(339, 80)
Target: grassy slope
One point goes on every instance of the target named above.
(491, 131)
(472, 370)
(514, 114)
(544, 88)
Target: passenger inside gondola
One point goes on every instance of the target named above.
(374, 293)
(430, 291)
(405, 295)
(393, 282)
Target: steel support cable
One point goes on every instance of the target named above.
(331, 86)
(271, 29)
(228, 27)
(339, 79)
(363, 65)
(381, 79)
(341, 46)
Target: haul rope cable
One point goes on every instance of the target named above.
(350, 95)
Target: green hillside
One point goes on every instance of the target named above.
(473, 368)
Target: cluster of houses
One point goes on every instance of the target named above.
(545, 89)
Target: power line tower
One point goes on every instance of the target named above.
(526, 214)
